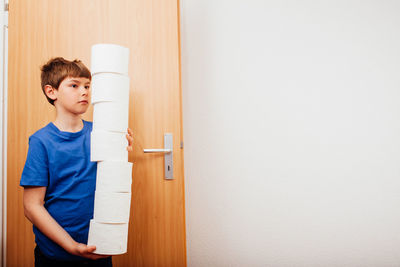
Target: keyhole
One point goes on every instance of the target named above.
(168, 167)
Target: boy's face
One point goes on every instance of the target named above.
(73, 95)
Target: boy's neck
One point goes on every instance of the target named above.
(69, 123)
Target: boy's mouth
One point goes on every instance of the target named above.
(84, 102)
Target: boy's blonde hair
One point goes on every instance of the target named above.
(57, 69)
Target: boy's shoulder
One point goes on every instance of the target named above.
(42, 132)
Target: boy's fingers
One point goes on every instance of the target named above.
(130, 141)
(90, 249)
(87, 252)
(84, 249)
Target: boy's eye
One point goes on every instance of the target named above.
(87, 86)
(74, 85)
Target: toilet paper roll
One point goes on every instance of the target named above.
(110, 87)
(111, 116)
(114, 176)
(111, 207)
(108, 146)
(109, 58)
(109, 239)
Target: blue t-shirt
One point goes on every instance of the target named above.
(61, 162)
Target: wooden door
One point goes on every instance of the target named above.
(41, 29)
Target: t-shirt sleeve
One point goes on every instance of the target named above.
(36, 169)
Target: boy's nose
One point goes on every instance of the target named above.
(84, 91)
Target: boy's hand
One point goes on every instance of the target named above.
(86, 251)
(130, 140)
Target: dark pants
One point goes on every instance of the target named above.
(42, 261)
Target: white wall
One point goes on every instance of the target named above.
(292, 132)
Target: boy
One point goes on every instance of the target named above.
(58, 178)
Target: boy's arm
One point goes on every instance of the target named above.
(36, 212)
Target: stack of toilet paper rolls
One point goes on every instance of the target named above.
(108, 229)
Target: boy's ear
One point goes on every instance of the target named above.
(50, 91)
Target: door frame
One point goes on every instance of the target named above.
(3, 127)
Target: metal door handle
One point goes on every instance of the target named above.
(168, 157)
(155, 150)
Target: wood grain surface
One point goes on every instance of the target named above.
(41, 29)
